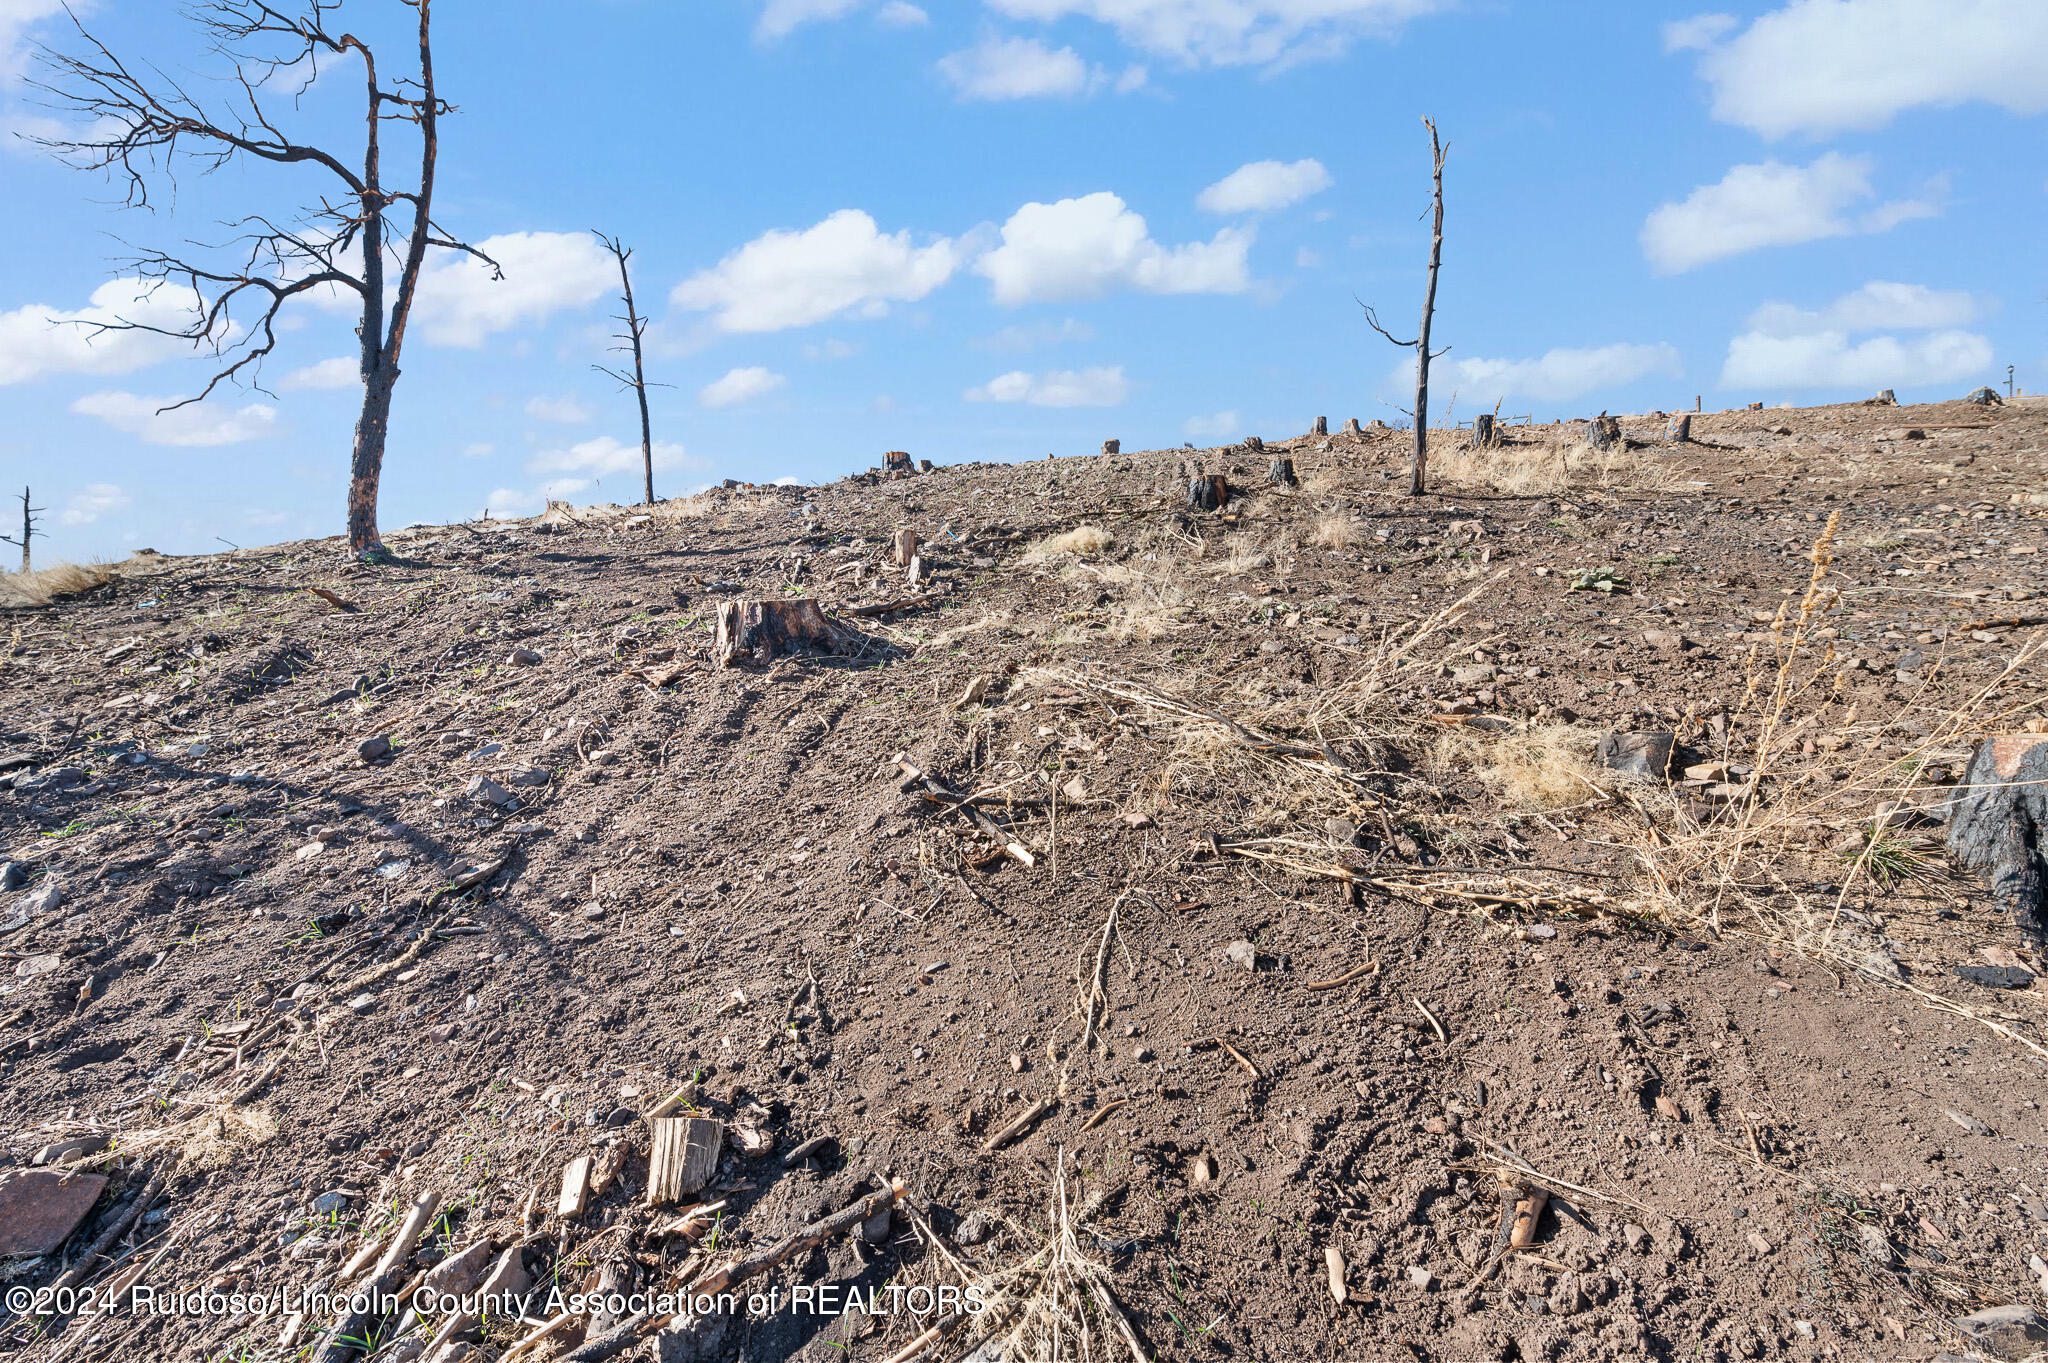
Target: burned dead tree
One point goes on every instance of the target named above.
(1322, 426)
(1998, 826)
(1418, 471)
(1680, 430)
(137, 125)
(30, 519)
(629, 342)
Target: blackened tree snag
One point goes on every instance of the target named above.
(1280, 473)
(1112, 447)
(1681, 429)
(30, 519)
(1418, 471)
(1998, 826)
(629, 341)
(1208, 492)
(1604, 433)
(138, 123)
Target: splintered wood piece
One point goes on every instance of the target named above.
(906, 547)
(1018, 1126)
(684, 1158)
(1528, 1211)
(609, 1166)
(575, 1188)
(1333, 1259)
(335, 601)
(763, 630)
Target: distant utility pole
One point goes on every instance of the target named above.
(30, 519)
(1418, 472)
(636, 328)
(2008, 380)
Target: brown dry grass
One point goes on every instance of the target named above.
(1549, 467)
(1335, 530)
(45, 585)
(1545, 768)
(1083, 541)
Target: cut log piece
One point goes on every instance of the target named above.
(906, 547)
(1482, 431)
(1208, 492)
(1322, 426)
(1280, 473)
(685, 1156)
(1112, 447)
(762, 630)
(1998, 826)
(1680, 430)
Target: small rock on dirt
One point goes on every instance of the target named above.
(39, 1208)
(374, 747)
(485, 789)
(975, 1228)
(1668, 639)
(44, 900)
(13, 876)
(524, 657)
(2005, 1331)
(1242, 953)
(1421, 1277)
(1995, 976)
(1637, 754)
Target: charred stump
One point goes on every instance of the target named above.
(1998, 826)
(1112, 447)
(897, 461)
(1280, 473)
(1253, 445)
(1322, 426)
(1680, 430)
(1351, 427)
(1605, 432)
(1208, 492)
(760, 631)
(1885, 398)
(1483, 433)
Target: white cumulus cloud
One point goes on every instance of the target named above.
(1263, 186)
(780, 18)
(1015, 68)
(1788, 347)
(1085, 247)
(339, 372)
(603, 455)
(844, 265)
(1553, 376)
(95, 501)
(1772, 204)
(36, 340)
(740, 385)
(563, 411)
(1099, 387)
(1698, 33)
(1233, 32)
(1216, 426)
(15, 18)
(197, 424)
(1819, 67)
(901, 14)
(460, 304)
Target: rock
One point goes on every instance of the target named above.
(362, 1003)
(524, 657)
(72, 1149)
(40, 1208)
(1669, 640)
(1995, 976)
(621, 1116)
(1567, 1298)
(13, 876)
(1637, 754)
(1421, 1277)
(374, 747)
(875, 1230)
(484, 789)
(975, 1229)
(1912, 660)
(1472, 676)
(1905, 433)
(531, 776)
(44, 900)
(1966, 1122)
(327, 1204)
(1242, 953)
(1634, 1235)
(2005, 1331)
(693, 1339)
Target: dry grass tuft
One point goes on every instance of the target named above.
(1083, 541)
(45, 585)
(1335, 530)
(1545, 768)
(1551, 467)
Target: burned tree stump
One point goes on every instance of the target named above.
(1351, 427)
(1483, 435)
(1280, 473)
(1986, 397)
(1322, 426)
(1605, 432)
(896, 461)
(924, 466)
(1998, 826)
(1885, 398)
(1208, 492)
(1112, 447)
(763, 630)
(1680, 430)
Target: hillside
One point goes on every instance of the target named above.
(337, 885)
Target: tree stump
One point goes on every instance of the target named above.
(762, 630)
(1756, 406)
(1605, 432)
(1885, 398)
(896, 461)
(684, 1158)
(1322, 426)
(1680, 430)
(1280, 473)
(1112, 447)
(1998, 826)
(1483, 436)
(1986, 397)
(924, 466)
(1208, 492)
(1254, 445)
(906, 547)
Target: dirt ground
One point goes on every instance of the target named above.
(1385, 930)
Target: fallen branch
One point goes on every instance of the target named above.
(1018, 1126)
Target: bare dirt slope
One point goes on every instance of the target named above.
(1385, 933)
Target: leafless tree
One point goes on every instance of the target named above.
(140, 124)
(629, 341)
(29, 521)
(1418, 471)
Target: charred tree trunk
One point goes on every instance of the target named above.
(1998, 826)
(1208, 492)
(366, 466)
(29, 521)
(1254, 445)
(896, 461)
(1604, 433)
(1681, 430)
(1418, 470)
(1280, 473)
(1112, 447)
(1351, 427)
(1483, 436)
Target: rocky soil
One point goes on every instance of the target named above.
(331, 885)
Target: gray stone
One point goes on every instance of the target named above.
(1242, 953)
(531, 776)
(1668, 639)
(1472, 676)
(72, 1149)
(524, 657)
(1637, 754)
(13, 876)
(484, 789)
(372, 748)
(1421, 1277)
(362, 1003)
(328, 1203)
(43, 900)
(2005, 1331)
(875, 1230)
(975, 1229)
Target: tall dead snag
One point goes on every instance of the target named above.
(1418, 471)
(137, 123)
(30, 519)
(636, 330)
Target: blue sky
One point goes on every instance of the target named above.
(1001, 229)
